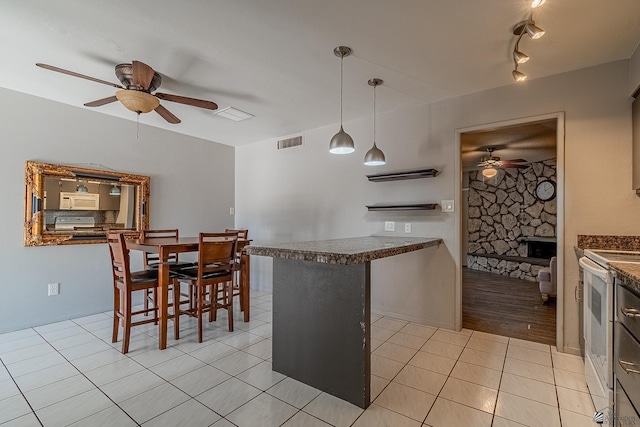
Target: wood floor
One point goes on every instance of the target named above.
(505, 306)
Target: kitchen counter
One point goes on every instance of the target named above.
(628, 274)
(322, 309)
(344, 251)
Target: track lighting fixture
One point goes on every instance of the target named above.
(341, 143)
(528, 26)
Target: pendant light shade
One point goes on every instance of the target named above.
(375, 156)
(81, 188)
(341, 143)
(115, 190)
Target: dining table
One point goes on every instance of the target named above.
(165, 246)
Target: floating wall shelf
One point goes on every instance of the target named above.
(404, 207)
(396, 176)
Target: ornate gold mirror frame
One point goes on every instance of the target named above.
(37, 232)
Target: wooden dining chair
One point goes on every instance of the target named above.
(125, 283)
(214, 274)
(151, 261)
(243, 236)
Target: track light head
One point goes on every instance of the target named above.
(518, 76)
(520, 57)
(528, 26)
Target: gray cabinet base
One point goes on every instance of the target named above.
(321, 326)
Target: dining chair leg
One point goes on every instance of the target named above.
(116, 318)
(154, 291)
(228, 300)
(126, 334)
(199, 302)
(176, 309)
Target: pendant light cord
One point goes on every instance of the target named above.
(341, 79)
(374, 115)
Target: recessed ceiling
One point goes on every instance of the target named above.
(534, 142)
(274, 59)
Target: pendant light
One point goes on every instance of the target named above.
(375, 156)
(341, 143)
(81, 188)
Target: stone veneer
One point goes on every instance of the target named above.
(502, 211)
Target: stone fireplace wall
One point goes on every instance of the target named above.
(502, 211)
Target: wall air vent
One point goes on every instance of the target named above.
(295, 141)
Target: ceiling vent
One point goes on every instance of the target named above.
(292, 142)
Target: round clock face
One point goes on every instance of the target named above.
(546, 190)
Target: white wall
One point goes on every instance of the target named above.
(634, 71)
(192, 188)
(307, 193)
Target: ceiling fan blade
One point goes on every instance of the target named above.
(517, 161)
(142, 74)
(514, 166)
(188, 101)
(74, 74)
(167, 115)
(100, 102)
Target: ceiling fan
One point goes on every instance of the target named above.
(490, 163)
(138, 81)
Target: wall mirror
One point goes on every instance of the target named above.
(66, 205)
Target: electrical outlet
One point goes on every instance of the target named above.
(232, 211)
(447, 205)
(389, 226)
(407, 227)
(54, 289)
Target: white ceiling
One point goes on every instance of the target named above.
(274, 58)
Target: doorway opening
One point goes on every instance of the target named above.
(511, 228)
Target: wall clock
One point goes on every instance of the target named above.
(546, 190)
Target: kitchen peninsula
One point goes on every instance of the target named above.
(322, 307)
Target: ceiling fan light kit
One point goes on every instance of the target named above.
(138, 81)
(490, 163)
(489, 172)
(528, 26)
(341, 143)
(375, 156)
(137, 101)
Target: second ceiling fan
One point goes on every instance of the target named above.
(138, 81)
(490, 163)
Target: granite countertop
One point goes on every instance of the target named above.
(354, 250)
(628, 273)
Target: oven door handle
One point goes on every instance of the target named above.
(593, 268)
(630, 312)
(624, 365)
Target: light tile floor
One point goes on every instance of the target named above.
(69, 373)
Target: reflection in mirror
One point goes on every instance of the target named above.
(71, 205)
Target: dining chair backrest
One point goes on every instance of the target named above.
(151, 259)
(216, 255)
(242, 233)
(119, 258)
